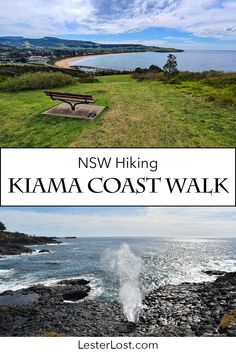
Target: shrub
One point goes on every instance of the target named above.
(224, 97)
(190, 76)
(34, 81)
(227, 98)
(88, 79)
(221, 82)
(2, 226)
(50, 334)
(155, 68)
(11, 70)
(155, 75)
(140, 71)
(227, 321)
(152, 73)
(217, 79)
(108, 72)
(174, 81)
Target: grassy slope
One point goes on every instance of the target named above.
(138, 114)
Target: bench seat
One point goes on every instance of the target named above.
(71, 97)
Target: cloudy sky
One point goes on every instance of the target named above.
(201, 24)
(201, 222)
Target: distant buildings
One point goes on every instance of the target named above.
(37, 59)
(21, 56)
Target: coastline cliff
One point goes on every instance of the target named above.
(15, 243)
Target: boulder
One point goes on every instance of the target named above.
(75, 295)
(126, 327)
(214, 272)
(7, 292)
(74, 282)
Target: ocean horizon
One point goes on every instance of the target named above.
(164, 261)
(189, 60)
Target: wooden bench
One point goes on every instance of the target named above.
(70, 97)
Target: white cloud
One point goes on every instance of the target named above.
(155, 42)
(202, 18)
(219, 222)
(38, 17)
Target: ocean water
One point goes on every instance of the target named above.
(187, 61)
(164, 261)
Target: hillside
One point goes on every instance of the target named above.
(47, 43)
(13, 243)
(139, 113)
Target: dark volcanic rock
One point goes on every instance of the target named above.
(10, 249)
(228, 278)
(214, 272)
(44, 251)
(74, 292)
(14, 243)
(7, 292)
(126, 327)
(18, 299)
(188, 309)
(75, 295)
(74, 282)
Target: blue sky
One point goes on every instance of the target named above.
(187, 24)
(140, 221)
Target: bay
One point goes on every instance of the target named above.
(201, 60)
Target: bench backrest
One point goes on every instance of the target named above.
(68, 95)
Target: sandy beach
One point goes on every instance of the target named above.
(67, 62)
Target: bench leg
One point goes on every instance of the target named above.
(71, 105)
(76, 104)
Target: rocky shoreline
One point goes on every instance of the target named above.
(188, 309)
(15, 243)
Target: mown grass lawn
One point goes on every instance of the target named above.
(138, 114)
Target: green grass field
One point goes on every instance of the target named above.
(138, 114)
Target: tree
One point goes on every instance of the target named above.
(2, 226)
(155, 68)
(170, 68)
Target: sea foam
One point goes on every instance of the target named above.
(127, 267)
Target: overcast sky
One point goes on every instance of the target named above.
(200, 24)
(203, 222)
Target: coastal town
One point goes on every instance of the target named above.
(19, 50)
